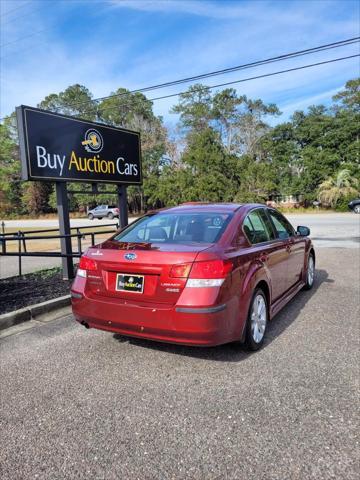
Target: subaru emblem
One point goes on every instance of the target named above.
(130, 256)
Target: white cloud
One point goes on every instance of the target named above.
(200, 8)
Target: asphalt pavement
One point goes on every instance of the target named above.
(79, 403)
(336, 230)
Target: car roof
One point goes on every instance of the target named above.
(218, 207)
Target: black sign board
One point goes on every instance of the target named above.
(57, 148)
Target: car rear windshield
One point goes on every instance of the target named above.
(176, 228)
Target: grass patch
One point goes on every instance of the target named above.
(304, 210)
(47, 272)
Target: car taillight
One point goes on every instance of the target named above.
(86, 264)
(209, 273)
(180, 271)
(211, 269)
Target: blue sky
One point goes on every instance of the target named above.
(48, 45)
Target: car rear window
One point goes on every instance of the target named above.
(176, 228)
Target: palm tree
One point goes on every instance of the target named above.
(334, 188)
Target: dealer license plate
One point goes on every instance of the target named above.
(129, 283)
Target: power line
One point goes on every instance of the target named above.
(6, 22)
(210, 87)
(23, 38)
(229, 70)
(254, 64)
(265, 75)
(14, 9)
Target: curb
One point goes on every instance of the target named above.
(32, 311)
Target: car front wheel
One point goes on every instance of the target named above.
(257, 320)
(357, 209)
(91, 216)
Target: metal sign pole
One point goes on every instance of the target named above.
(122, 204)
(64, 227)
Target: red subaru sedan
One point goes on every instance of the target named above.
(196, 274)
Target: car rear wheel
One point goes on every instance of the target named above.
(310, 273)
(110, 215)
(257, 320)
(357, 209)
(91, 216)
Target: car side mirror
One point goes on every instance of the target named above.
(303, 231)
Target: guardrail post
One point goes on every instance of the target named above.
(23, 240)
(64, 227)
(79, 235)
(3, 227)
(19, 249)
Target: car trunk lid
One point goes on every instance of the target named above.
(143, 269)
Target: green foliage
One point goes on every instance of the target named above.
(350, 97)
(342, 204)
(76, 101)
(10, 185)
(338, 188)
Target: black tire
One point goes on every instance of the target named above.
(357, 209)
(310, 278)
(99, 218)
(252, 338)
(91, 216)
(110, 215)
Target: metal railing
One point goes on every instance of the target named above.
(22, 237)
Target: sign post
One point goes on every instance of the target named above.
(122, 204)
(62, 149)
(64, 228)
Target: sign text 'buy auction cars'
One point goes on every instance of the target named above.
(61, 148)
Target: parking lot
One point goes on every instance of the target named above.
(80, 403)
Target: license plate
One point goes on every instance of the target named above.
(129, 283)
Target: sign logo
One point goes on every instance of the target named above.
(93, 141)
(130, 256)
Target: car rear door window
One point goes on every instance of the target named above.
(255, 228)
(282, 226)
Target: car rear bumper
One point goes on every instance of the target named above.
(201, 326)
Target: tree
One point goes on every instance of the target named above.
(75, 101)
(251, 125)
(10, 175)
(349, 98)
(336, 187)
(225, 111)
(194, 108)
(210, 169)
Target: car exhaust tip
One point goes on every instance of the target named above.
(85, 324)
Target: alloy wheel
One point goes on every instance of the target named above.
(311, 271)
(258, 318)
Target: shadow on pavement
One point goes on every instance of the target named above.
(235, 352)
